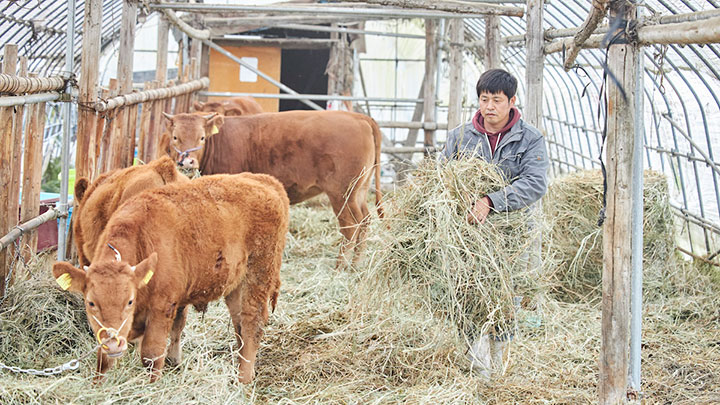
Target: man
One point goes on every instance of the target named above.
(498, 135)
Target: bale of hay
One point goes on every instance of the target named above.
(467, 274)
(574, 240)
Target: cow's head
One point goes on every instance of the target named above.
(210, 106)
(188, 133)
(110, 288)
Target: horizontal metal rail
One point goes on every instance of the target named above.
(573, 125)
(431, 126)
(573, 151)
(675, 153)
(696, 219)
(284, 96)
(11, 101)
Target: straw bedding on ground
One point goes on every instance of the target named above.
(343, 338)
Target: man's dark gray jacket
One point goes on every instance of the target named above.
(520, 154)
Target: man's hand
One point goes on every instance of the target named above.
(479, 211)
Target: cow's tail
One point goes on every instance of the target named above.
(377, 137)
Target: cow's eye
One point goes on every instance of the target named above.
(91, 304)
(174, 138)
(130, 303)
(202, 139)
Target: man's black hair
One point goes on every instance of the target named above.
(495, 81)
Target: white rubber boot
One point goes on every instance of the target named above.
(480, 357)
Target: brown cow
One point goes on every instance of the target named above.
(310, 152)
(180, 245)
(235, 106)
(98, 201)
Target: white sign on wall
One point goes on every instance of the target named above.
(247, 75)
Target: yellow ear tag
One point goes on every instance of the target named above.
(65, 280)
(148, 276)
(215, 130)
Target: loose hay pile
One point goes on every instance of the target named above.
(469, 273)
(574, 239)
(343, 337)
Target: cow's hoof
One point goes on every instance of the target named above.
(246, 376)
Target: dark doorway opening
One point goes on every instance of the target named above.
(303, 70)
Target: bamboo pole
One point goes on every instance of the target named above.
(32, 172)
(617, 227)
(6, 159)
(84, 160)
(694, 32)
(430, 83)
(152, 94)
(9, 83)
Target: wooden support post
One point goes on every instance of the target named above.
(162, 49)
(32, 172)
(126, 127)
(132, 130)
(492, 42)
(144, 127)
(108, 131)
(533, 112)
(17, 142)
(535, 62)
(430, 83)
(617, 227)
(456, 28)
(6, 161)
(90, 61)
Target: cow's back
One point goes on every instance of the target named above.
(205, 231)
(310, 152)
(102, 198)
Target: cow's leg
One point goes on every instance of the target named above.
(349, 215)
(361, 235)
(152, 351)
(248, 310)
(174, 355)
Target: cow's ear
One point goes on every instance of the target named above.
(81, 186)
(69, 277)
(233, 111)
(213, 125)
(163, 146)
(198, 106)
(145, 270)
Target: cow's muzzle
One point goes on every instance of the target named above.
(111, 342)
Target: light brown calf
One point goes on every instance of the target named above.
(310, 152)
(99, 200)
(180, 245)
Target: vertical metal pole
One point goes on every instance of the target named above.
(67, 122)
(637, 230)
